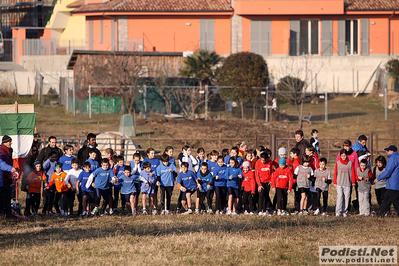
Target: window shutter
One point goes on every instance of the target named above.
(207, 34)
(294, 36)
(365, 36)
(91, 35)
(112, 35)
(341, 37)
(326, 37)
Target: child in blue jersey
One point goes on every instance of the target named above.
(219, 182)
(86, 193)
(49, 194)
(213, 161)
(92, 160)
(119, 172)
(169, 151)
(100, 179)
(128, 189)
(233, 153)
(67, 158)
(186, 181)
(136, 166)
(233, 174)
(166, 175)
(154, 164)
(204, 177)
(148, 179)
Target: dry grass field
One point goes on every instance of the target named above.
(201, 239)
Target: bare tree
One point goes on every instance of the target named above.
(162, 82)
(296, 74)
(189, 98)
(122, 73)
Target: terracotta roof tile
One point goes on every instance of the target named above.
(75, 4)
(359, 5)
(158, 6)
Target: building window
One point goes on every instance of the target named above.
(351, 37)
(309, 37)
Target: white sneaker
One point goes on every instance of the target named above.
(228, 213)
(163, 212)
(337, 214)
(197, 211)
(278, 213)
(217, 212)
(111, 211)
(324, 214)
(260, 213)
(317, 212)
(234, 214)
(154, 212)
(305, 212)
(251, 213)
(209, 211)
(145, 211)
(266, 213)
(246, 212)
(134, 213)
(345, 214)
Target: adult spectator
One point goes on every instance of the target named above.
(391, 175)
(301, 143)
(51, 147)
(6, 169)
(29, 165)
(83, 153)
(360, 146)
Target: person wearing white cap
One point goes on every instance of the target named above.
(248, 185)
(282, 153)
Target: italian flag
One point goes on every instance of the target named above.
(20, 127)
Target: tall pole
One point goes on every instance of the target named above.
(90, 101)
(267, 104)
(206, 102)
(326, 107)
(145, 102)
(73, 100)
(386, 104)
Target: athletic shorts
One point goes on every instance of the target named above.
(303, 190)
(127, 196)
(233, 191)
(183, 194)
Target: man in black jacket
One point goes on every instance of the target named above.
(51, 147)
(83, 153)
(301, 143)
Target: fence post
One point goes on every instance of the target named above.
(371, 146)
(273, 145)
(206, 102)
(328, 150)
(220, 141)
(90, 101)
(376, 143)
(256, 140)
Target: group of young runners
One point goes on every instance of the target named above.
(233, 181)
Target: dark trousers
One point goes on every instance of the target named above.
(166, 191)
(220, 198)
(264, 199)
(201, 196)
(70, 195)
(281, 198)
(32, 203)
(48, 199)
(64, 201)
(297, 196)
(379, 193)
(312, 201)
(117, 192)
(80, 200)
(325, 199)
(355, 203)
(5, 199)
(390, 197)
(247, 201)
(104, 193)
(209, 197)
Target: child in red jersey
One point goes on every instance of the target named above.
(263, 176)
(314, 159)
(248, 185)
(295, 163)
(282, 184)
